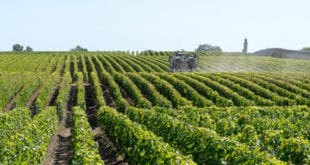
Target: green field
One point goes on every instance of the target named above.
(73, 107)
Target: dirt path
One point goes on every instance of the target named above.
(59, 151)
(71, 67)
(126, 96)
(10, 105)
(91, 108)
(62, 71)
(54, 67)
(107, 150)
(107, 97)
(53, 97)
(31, 104)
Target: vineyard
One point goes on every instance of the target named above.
(121, 108)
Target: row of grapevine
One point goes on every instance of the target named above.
(59, 65)
(10, 123)
(205, 145)
(67, 65)
(85, 149)
(141, 146)
(108, 81)
(132, 90)
(46, 62)
(223, 90)
(298, 99)
(29, 88)
(120, 62)
(18, 87)
(63, 95)
(167, 90)
(157, 67)
(55, 64)
(264, 128)
(90, 65)
(137, 67)
(80, 90)
(163, 64)
(10, 85)
(205, 91)
(84, 68)
(126, 67)
(74, 69)
(97, 88)
(48, 88)
(149, 91)
(146, 67)
(96, 83)
(107, 65)
(298, 80)
(126, 84)
(200, 89)
(154, 53)
(242, 91)
(279, 100)
(288, 86)
(25, 140)
(117, 67)
(22, 63)
(187, 91)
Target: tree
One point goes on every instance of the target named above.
(207, 47)
(18, 48)
(29, 49)
(79, 48)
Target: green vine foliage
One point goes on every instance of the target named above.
(141, 146)
(85, 149)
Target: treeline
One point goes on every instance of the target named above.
(20, 48)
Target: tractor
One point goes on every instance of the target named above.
(183, 62)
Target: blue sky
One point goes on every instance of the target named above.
(154, 24)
